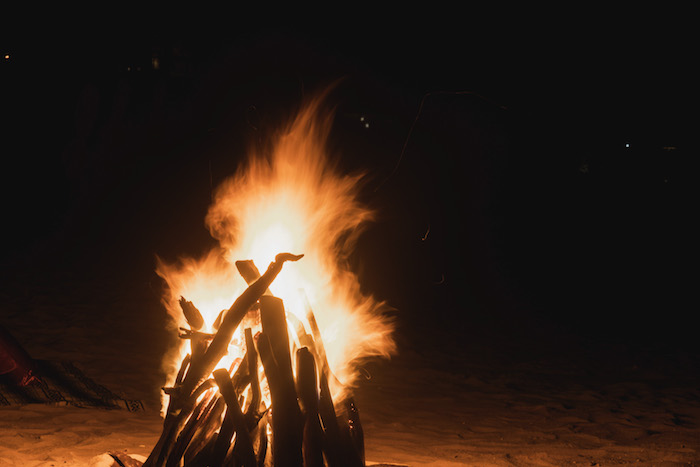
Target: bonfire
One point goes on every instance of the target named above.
(265, 372)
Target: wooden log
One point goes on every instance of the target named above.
(192, 314)
(249, 272)
(243, 445)
(287, 424)
(357, 435)
(274, 325)
(183, 367)
(201, 459)
(199, 414)
(337, 441)
(352, 452)
(261, 444)
(206, 431)
(199, 369)
(199, 342)
(252, 414)
(312, 445)
(332, 442)
(174, 422)
(233, 317)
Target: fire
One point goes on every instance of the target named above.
(290, 197)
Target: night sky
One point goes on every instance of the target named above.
(527, 172)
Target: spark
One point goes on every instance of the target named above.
(425, 237)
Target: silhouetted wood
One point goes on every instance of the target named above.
(183, 367)
(243, 445)
(232, 318)
(287, 424)
(357, 434)
(261, 441)
(312, 445)
(299, 436)
(206, 431)
(332, 442)
(200, 368)
(201, 459)
(249, 272)
(174, 422)
(199, 414)
(252, 414)
(199, 342)
(192, 314)
(353, 454)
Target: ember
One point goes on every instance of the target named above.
(295, 408)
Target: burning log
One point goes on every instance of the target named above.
(249, 272)
(200, 413)
(287, 422)
(312, 447)
(180, 401)
(192, 314)
(233, 317)
(243, 446)
(205, 423)
(357, 435)
(252, 414)
(341, 444)
(206, 432)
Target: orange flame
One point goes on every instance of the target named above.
(294, 199)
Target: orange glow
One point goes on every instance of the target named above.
(293, 199)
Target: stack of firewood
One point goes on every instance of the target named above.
(205, 423)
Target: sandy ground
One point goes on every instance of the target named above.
(464, 401)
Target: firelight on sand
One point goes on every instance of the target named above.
(289, 197)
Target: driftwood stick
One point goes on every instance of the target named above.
(357, 436)
(243, 445)
(274, 325)
(352, 453)
(199, 342)
(262, 441)
(175, 420)
(252, 415)
(312, 448)
(192, 314)
(206, 431)
(200, 368)
(319, 348)
(183, 367)
(232, 318)
(287, 425)
(200, 413)
(201, 458)
(332, 442)
(249, 272)
(339, 445)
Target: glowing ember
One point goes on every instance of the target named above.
(291, 198)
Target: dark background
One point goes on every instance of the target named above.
(532, 174)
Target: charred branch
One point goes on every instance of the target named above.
(286, 417)
(232, 318)
(243, 446)
(312, 445)
(192, 314)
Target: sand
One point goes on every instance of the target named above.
(444, 400)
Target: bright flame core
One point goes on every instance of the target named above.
(290, 199)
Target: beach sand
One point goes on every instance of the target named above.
(444, 400)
